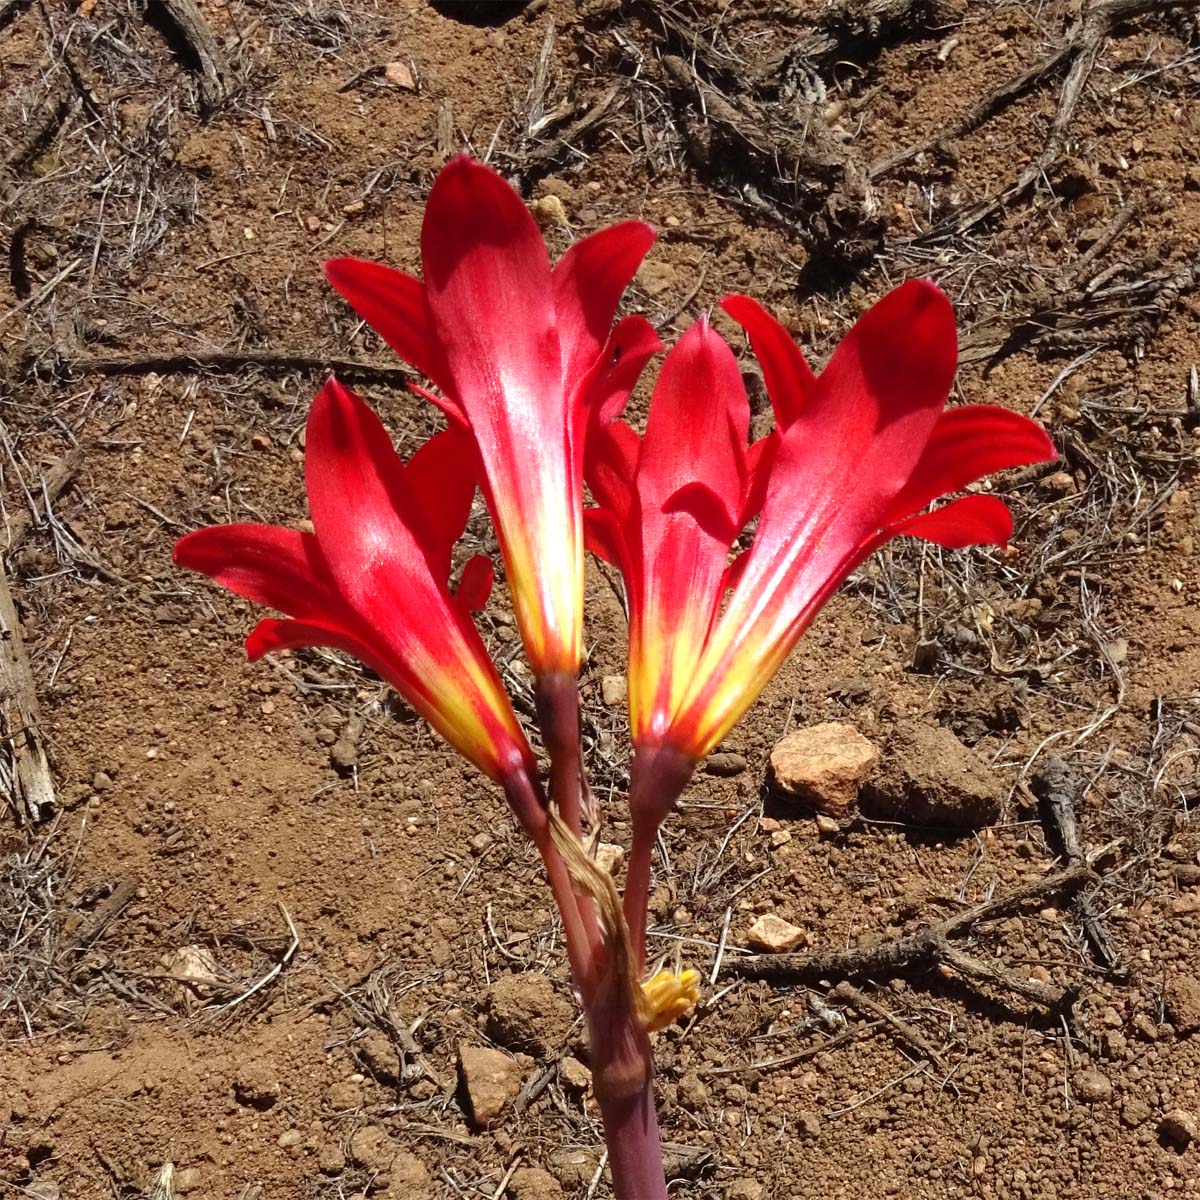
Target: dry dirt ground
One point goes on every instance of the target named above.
(240, 949)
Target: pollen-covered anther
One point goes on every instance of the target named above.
(669, 996)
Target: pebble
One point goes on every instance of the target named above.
(331, 1160)
(1186, 906)
(823, 765)
(102, 782)
(610, 857)
(379, 1056)
(490, 1081)
(371, 1147)
(613, 690)
(774, 935)
(255, 1087)
(574, 1074)
(1093, 1087)
(187, 1180)
(533, 1183)
(527, 1012)
(290, 1137)
(1178, 1128)
(42, 1189)
(692, 1092)
(343, 756)
(1182, 997)
(725, 764)
(1186, 874)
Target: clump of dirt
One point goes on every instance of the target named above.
(242, 945)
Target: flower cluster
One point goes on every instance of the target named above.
(728, 548)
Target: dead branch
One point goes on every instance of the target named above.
(188, 23)
(43, 125)
(105, 912)
(1052, 786)
(906, 1033)
(188, 363)
(927, 947)
(20, 718)
(570, 137)
(55, 482)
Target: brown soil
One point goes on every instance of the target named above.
(152, 215)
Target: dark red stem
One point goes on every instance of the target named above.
(657, 778)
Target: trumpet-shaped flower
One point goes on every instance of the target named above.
(860, 450)
(373, 581)
(520, 352)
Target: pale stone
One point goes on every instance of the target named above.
(823, 765)
(490, 1080)
(775, 935)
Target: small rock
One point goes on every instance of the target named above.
(613, 690)
(187, 1180)
(343, 756)
(331, 1160)
(1093, 1087)
(827, 826)
(769, 825)
(1186, 874)
(408, 1178)
(372, 1147)
(345, 1095)
(1135, 1112)
(379, 1056)
(121, 515)
(930, 778)
(656, 277)
(1062, 482)
(808, 1124)
(775, 935)
(779, 838)
(550, 212)
(692, 1092)
(823, 765)
(573, 1168)
(725, 764)
(1182, 997)
(610, 857)
(1186, 906)
(42, 1189)
(480, 842)
(490, 1081)
(745, 1189)
(1178, 1128)
(532, 1183)
(574, 1074)
(526, 1012)
(102, 782)
(399, 75)
(256, 1087)
(290, 1137)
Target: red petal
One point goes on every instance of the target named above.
(441, 476)
(604, 538)
(789, 379)
(968, 443)
(365, 517)
(698, 427)
(489, 290)
(970, 521)
(271, 635)
(630, 347)
(393, 304)
(281, 568)
(475, 584)
(588, 283)
(610, 465)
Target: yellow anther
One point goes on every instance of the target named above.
(669, 997)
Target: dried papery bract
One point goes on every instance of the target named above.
(857, 453)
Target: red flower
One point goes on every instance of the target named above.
(373, 579)
(521, 353)
(859, 452)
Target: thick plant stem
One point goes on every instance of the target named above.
(634, 1145)
(656, 780)
(637, 892)
(557, 699)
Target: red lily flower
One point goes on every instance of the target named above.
(859, 452)
(373, 581)
(521, 353)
